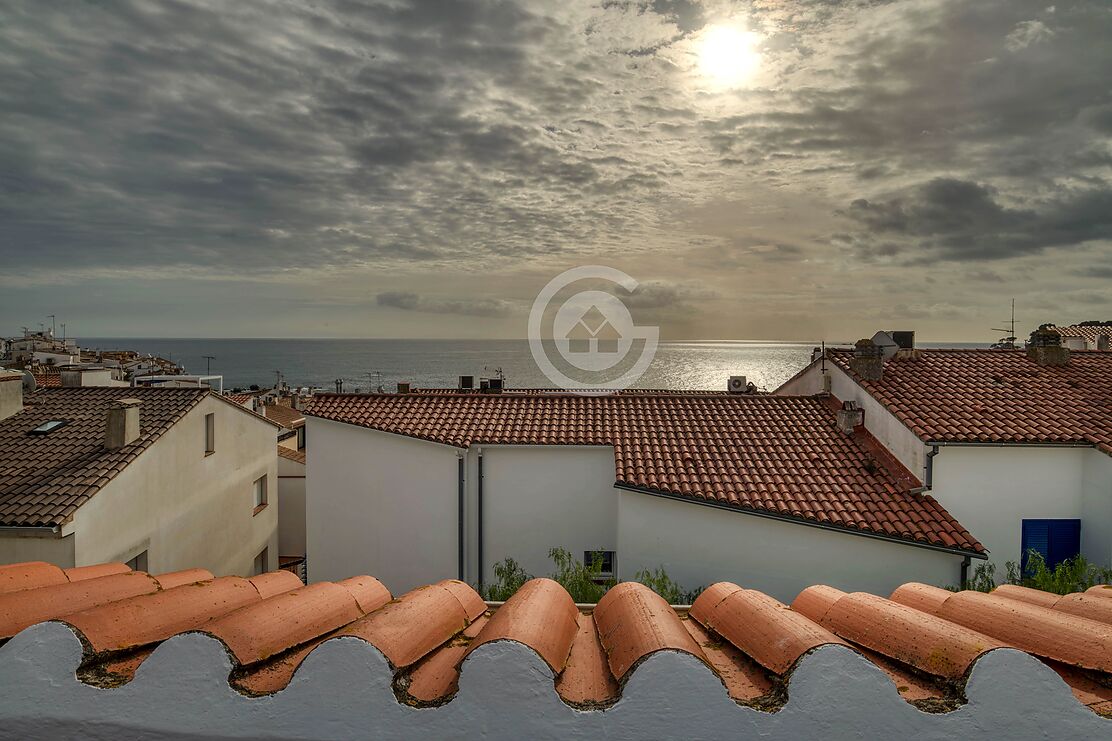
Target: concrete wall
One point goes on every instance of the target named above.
(291, 507)
(539, 497)
(991, 490)
(380, 504)
(185, 508)
(699, 545)
(16, 547)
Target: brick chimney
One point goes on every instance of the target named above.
(850, 417)
(1045, 348)
(122, 426)
(11, 393)
(868, 360)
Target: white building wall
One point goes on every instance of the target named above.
(699, 545)
(185, 508)
(380, 504)
(291, 507)
(1096, 507)
(991, 490)
(539, 497)
(16, 547)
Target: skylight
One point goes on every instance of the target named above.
(47, 427)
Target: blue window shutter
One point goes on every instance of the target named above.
(1055, 540)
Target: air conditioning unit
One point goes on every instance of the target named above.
(466, 383)
(737, 385)
(403, 387)
(494, 385)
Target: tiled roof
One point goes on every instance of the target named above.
(1088, 332)
(297, 456)
(46, 379)
(45, 478)
(926, 640)
(996, 396)
(286, 416)
(770, 454)
(240, 398)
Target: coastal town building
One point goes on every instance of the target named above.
(284, 413)
(1085, 336)
(160, 477)
(186, 655)
(774, 491)
(1016, 444)
(291, 510)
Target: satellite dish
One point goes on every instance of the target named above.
(29, 382)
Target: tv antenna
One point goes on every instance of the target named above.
(208, 363)
(1007, 343)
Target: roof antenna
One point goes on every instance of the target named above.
(1007, 343)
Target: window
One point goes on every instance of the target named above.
(261, 562)
(47, 427)
(260, 493)
(210, 434)
(605, 558)
(301, 438)
(1056, 540)
(139, 563)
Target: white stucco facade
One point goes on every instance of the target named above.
(291, 507)
(388, 505)
(184, 508)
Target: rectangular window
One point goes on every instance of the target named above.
(210, 433)
(605, 558)
(261, 561)
(1056, 540)
(301, 438)
(139, 563)
(260, 493)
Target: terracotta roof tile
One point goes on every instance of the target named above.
(749, 641)
(770, 454)
(996, 396)
(297, 456)
(1087, 332)
(285, 416)
(45, 478)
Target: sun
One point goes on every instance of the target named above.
(728, 55)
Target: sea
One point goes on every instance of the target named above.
(367, 364)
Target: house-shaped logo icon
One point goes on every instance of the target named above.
(593, 333)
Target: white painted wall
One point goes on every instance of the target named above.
(380, 504)
(185, 508)
(991, 490)
(1096, 507)
(539, 497)
(699, 545)
(291, 507)
(17, 547)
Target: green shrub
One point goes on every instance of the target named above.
(510, 577)
(580, 580)
(1070, 575)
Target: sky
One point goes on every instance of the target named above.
(774, 169)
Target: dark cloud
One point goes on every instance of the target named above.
(960, 220)
(410, 301)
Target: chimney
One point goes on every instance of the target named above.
(1045, 348)
(868, 360)
(11, 393)
(122, 427)
(1102, 342)
(850, 417)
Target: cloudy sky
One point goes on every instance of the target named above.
(791, 169)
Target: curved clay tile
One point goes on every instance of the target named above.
(1037, 630)
(926, 642)
(274, 583)
(710, 597)
(771, 633)
(180, 578)
(541, 615)
(138, 621)
(19, 610)
(369, 593)
(586, 679)
(1024, 594)
(922, 597)
(437, 677)
(92, 572)
(816, 600)
(633, 622)
(30, 575)
(1083, 605)
(412, 626)
(745, 680)
(274, 625)
(472, 602)
(1100, 590)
